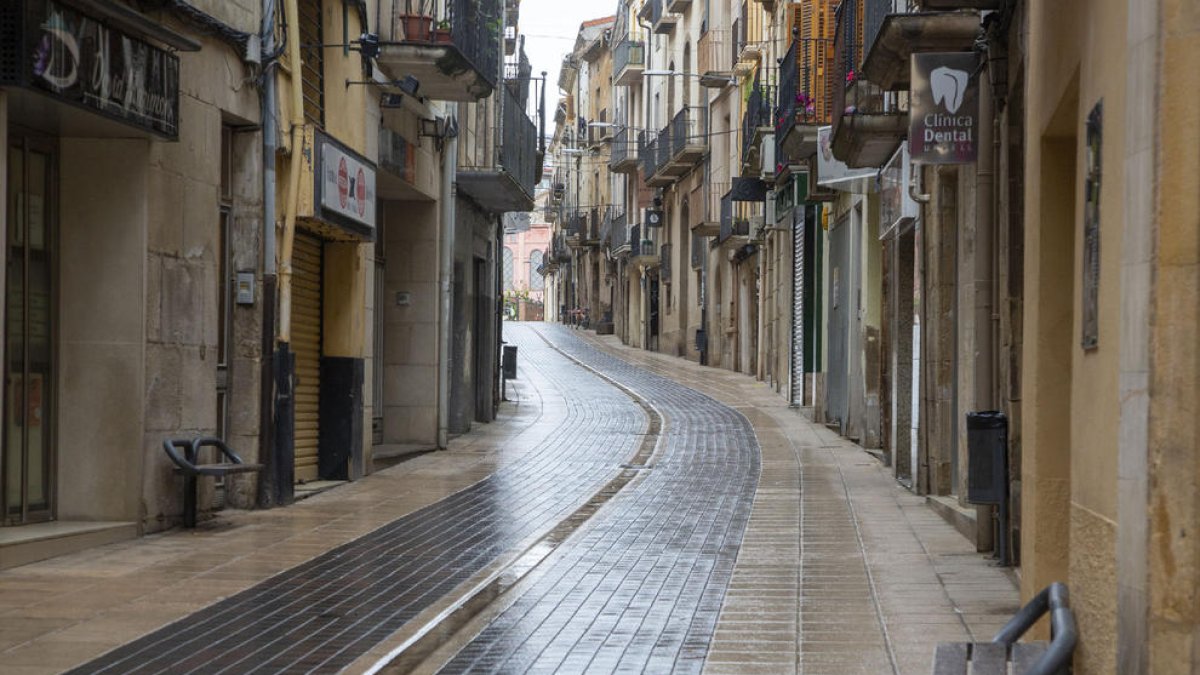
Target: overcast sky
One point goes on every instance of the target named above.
(550, 27)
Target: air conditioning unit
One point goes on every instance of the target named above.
(767, 153)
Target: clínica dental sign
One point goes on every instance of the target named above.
(943, 123)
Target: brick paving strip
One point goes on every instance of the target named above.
(841, 570)
(323, 613)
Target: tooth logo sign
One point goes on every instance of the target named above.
(949, 86)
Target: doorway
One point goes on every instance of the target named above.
(28, 463)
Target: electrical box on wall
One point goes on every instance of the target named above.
(245, 288)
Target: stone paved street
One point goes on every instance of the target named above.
(630, 511)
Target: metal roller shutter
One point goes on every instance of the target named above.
(797, 392)
(306, 343)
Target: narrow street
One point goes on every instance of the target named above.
(628, 511)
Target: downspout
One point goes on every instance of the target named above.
(270, 109)
(445, 279)
(288, 237)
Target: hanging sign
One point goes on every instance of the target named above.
(345, 186)
(80, 60)
(944, 113)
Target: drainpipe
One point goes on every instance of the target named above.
(984, 271)
(293, 195)
(270, 108)
(445, 283)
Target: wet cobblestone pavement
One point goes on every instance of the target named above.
(322, 615)
(629, 511)
(641, 587)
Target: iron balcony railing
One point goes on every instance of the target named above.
(474, 27)
(635, 240)
(758, 114)
(605, 224)
(663, 148)
(576, 222)
(688, 129)
(716, 52)
(805, 84)
(619, 233)
(628, 53)
(623, 149)
(519, 150)
(851, 94)
(648, 153)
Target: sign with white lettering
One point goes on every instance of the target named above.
(80, 60)
(345, 186)
(944, 113)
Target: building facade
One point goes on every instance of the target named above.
(255, 222)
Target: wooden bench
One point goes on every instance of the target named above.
(1027, 658)
(188, 465)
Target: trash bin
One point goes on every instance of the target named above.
(987, 457)
(509, 362)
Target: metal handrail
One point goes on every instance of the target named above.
(1064, 634)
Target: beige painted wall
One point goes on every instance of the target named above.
(410, 340)
(102, 243)
(1071, 425)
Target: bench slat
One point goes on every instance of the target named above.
(989, 658)
(1025, 654)
(950, 659)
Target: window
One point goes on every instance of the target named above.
(508, 269)
(536, 282)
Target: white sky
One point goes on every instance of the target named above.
(550, 27)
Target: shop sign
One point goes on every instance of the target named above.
(78, 59)
(944, 111)
(897, 209)
(345, 186)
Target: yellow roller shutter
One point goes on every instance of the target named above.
(306, 343)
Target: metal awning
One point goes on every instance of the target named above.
(887, 64)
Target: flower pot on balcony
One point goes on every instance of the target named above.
(441, 35)
(416, 27)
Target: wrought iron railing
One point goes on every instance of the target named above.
(623, 148)
(474, 27)
(635, 240)
(619, 232)
(663, 148)
(688, 128)
(519, 150)
(648, 153)
(759, 108)
(805, 84)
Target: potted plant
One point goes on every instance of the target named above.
(441, 33)
(415, 24)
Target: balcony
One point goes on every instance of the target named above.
(868, 124)
(643, 248)
(648, 155)
(748, 37)
(576, 229)
(662, 21)
(715, 58)
(706, 219)
(805, 97)
(678, 6)
(888, 57)
(629, 60)
(619, 238)
(452, 47)
(663, 152)
(689, 140)
(756, 123)
(507, 184)
(622, 156)
(745, 203)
